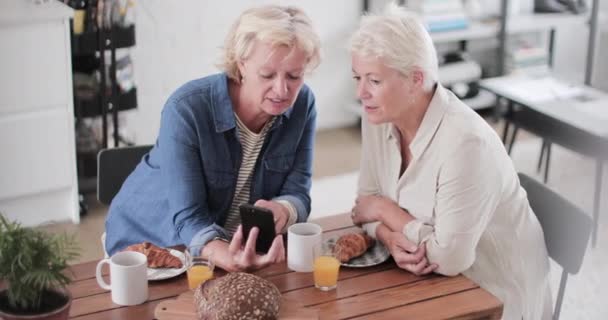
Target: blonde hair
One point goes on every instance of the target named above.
(276, 25)
(400, 40)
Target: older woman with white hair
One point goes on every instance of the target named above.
(436, 186)
(241, 136)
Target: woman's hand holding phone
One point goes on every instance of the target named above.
(248, 254)
(279, 212)
(244, 257)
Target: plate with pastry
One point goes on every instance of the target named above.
(357, 250)
(162, 263)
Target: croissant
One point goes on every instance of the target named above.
(157, 256)
(352, 245)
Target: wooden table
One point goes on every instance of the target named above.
(380, 292)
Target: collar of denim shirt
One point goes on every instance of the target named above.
(223, 117)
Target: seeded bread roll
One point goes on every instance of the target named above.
(237, 296)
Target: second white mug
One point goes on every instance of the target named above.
(301, 241)
(128, 278)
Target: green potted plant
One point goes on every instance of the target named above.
(32, 272)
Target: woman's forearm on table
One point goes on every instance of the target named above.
(395, 218)
(381, 233)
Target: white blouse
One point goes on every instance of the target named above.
(469, 208)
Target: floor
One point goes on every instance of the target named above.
(334, 183)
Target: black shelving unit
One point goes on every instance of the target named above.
(88, 42)
(89, 107)
(89, 55)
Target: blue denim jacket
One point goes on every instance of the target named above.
(181, 191)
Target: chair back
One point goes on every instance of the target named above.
(565, 226)
(114, 166)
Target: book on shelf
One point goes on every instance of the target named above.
(439, 25)
(441, 15)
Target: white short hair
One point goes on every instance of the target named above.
(276, 25)
(400, 40)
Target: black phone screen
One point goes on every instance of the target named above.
(252, 216)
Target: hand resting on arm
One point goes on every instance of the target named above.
(392, 218)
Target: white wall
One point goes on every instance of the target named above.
(179, 41)
(571, 51)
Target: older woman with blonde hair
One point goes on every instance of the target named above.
(241, 136)
(436, 186)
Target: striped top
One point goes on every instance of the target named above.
(251, 144)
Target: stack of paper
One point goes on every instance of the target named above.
(542, 89)
(441, 15)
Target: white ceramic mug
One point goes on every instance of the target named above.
(301, 241)
(128, 278)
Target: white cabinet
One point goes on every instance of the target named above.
(38, 180)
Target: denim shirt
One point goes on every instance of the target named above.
(181, 191)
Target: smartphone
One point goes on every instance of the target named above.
(252, 216)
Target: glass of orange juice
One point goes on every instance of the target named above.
(326, 268)
(200, 269)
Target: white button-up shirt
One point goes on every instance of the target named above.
(469, 208)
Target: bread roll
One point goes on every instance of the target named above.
(237, 296)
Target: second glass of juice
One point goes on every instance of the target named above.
(326, 268)
(200, 269)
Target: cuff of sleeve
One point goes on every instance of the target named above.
(220, 239)
(417, 231)
(208, 234)
(370, 228)
(301, 211)
(293, 213)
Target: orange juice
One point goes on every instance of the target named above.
(326, 272)
(198, 274)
